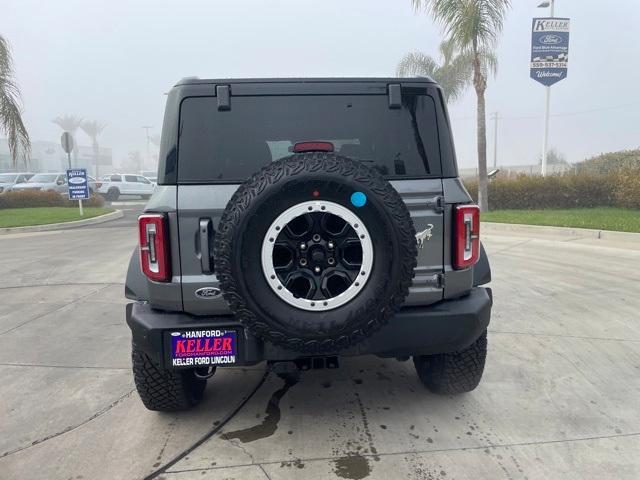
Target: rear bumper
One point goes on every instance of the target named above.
(446, 326)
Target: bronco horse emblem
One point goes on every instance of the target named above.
(424, 235)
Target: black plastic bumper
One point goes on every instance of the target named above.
(446, 326)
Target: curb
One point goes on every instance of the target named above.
(125, 203)
(491, 227)
(65, 225)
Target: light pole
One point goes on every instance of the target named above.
(545, 138)
(147, 128)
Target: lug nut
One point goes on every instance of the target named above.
(316, 269)
(303, 246)
(331, 261)
(303, 262)
(316, 238)
(331, 245)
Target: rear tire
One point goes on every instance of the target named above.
(453, 373)
(112, 194)
(165, 390)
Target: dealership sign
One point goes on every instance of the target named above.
(549, 50)
(78, 184)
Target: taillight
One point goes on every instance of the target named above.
(467, 236)
(154, 246)
(313, 147)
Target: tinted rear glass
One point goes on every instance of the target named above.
(229, 146)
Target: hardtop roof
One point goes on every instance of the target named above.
(385, 80)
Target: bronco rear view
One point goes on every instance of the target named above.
(300, 220)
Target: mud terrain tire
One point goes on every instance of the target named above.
(287, 183)
(165, 390)
(453, 373)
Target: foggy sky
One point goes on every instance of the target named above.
(113, 60)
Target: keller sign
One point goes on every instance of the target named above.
(78, 184)
(549, 49)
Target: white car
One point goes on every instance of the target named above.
(10, 180)
(118, 184)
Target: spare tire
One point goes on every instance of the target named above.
(315, 252)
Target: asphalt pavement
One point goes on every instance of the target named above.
(559, 398)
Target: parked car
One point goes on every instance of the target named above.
(94, 185)
(152, 175)
(118, 184)
(8, 180)
(307, 240)
(56, 182)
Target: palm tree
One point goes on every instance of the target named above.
(70, 123)
(11, 110)
(473, 27)
(93, 129)
(453, 73)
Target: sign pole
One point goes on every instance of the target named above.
(80, 205)
(549, 60)
(545, 138)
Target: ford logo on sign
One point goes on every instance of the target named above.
(208, 292)
(76, 180)
(550, 39)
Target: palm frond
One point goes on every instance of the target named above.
(453, 74)
(93, 128)
(417, 63)
(68, 123)
(10, 109)
(468, 22)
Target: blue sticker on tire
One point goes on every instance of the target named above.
(358, 199)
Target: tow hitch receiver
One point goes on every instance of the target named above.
(303, 364)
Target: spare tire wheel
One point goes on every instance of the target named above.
(315, 252)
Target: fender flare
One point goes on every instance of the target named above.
(135, 287)
(482, 269)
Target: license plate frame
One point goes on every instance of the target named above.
(202, 347)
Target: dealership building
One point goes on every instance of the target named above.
(49, 157)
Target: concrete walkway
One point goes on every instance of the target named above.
(558, 400)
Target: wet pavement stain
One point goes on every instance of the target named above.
(271, 418)
(298, 463)
(367, 432)
(352, 467)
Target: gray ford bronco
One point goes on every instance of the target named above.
(300, 220)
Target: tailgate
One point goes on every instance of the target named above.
(423, 199)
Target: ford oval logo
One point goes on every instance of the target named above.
(208, 292)
(550, 39)
(77, 180)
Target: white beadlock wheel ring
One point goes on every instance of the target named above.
(316, 206)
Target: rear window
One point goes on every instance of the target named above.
(229, 146)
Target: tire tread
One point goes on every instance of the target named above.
(453, 373)
(164, 390)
